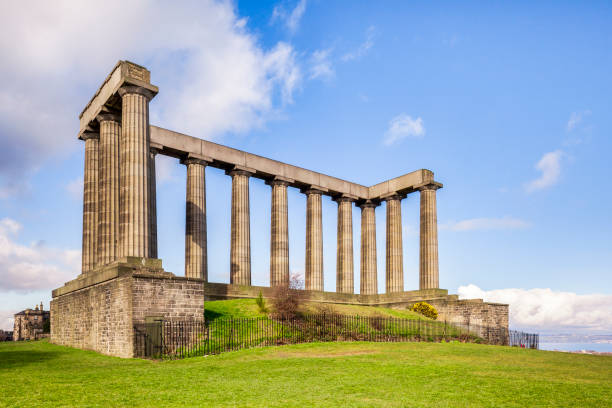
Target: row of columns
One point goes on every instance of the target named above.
(119, 210)
(240, 255)
(119, 214)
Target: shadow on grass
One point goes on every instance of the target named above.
(18, 358)
(211, 314)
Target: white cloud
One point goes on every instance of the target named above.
(545, 309)
(321, 65)
(550, 167)
(363, 48)
(214, 75)
(473, 224)
(576, 118)
(75, 188)
(34, 267)
(291, 19)
(403, 126)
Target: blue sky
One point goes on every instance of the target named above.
(508, 103)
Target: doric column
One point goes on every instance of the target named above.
(428, 271)
(344, 261)
(108, 188)
(195, 224)
(240, 252)
(153, 202)
(135, 176)
(314, 241)
(90, 201)
(279, 234)
(394, 260)
(369, 282)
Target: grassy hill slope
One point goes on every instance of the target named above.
(248, 308)
(320, 374)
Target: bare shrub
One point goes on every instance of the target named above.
(287, 298)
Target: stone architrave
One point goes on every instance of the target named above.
(279, 234)
(195, 223)
(428, 259)
(135, 174)
(344, 260)
(240, 251)
(90, 201)
(368, 282)
(108, 188)
(394, 259)
(313, 279)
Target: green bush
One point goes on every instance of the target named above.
(261, 303)
(425, 309)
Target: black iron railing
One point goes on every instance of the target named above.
(180, 339)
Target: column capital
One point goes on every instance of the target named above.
(155, 148)
(279, 181)
(345, 198)
(108, 117)
(392, 197)
(313, 190)
(131, 89)
(430, 186)
(368, 204)
(240, 171)
(90, 135)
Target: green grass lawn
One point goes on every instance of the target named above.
(40, 374)
(238, 308)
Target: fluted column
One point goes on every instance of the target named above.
(428, 271)
(279, 234)
(90, 201)
(369, 282)
(195, 225)
(394, 260)
(108, 188)
(344, 261)
(135, 176)
(314, 241)
(240, 252)
(153, 203)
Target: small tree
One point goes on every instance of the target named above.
(261, 303)
(287, 298)
(425, 309)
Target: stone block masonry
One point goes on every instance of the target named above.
(99, 313)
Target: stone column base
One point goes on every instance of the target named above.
(98, 311)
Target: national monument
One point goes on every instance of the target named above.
(122, 282)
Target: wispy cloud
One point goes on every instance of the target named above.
(75, 188)
(292, 18)
(363, 48)
(226, 81)
(7, 319)
(483, 224)
(321, 65)
(545, 309)
(35, 266)
(550, 168)
(576, 118)
(403, 126)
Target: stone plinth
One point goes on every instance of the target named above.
(98, 312)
